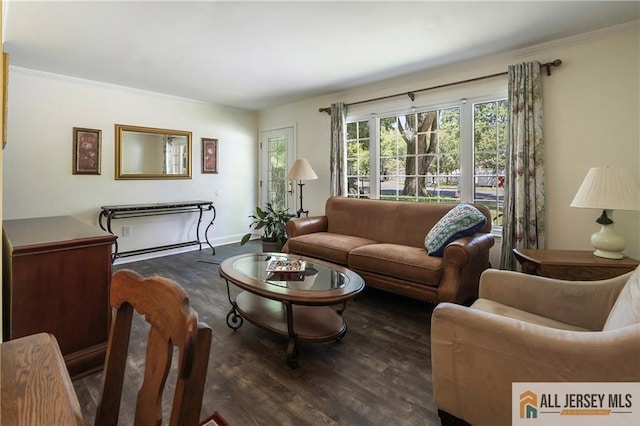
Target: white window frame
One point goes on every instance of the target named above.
(466, 140)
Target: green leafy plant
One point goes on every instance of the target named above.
(272, 224)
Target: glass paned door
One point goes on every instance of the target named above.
(276, 158)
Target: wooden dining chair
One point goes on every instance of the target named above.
(165, 307)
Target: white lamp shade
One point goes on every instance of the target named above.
(608, 188)
(301, 170)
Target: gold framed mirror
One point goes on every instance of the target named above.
(151, 153)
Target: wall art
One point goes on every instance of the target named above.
(86, 151)
(209, 155)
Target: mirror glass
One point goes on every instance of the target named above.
(150, 153)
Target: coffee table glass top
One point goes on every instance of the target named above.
(316, 277)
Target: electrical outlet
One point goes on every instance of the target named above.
(126, 231)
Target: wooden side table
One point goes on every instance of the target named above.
(572, 265)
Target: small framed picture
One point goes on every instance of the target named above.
(209, 155)
(86, 151)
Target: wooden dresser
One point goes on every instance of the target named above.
(56, 275)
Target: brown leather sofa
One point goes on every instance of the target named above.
(383, 241)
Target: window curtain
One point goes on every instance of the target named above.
(338, 156)
(524, 211)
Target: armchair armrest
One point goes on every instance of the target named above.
(477, 355)
(306, 225)
(583, 303)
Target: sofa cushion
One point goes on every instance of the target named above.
(626, 310)
(326, 246)
(398, 261)
(464, 219)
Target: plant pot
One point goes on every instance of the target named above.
(271, 246)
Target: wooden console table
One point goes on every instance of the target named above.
(572, 265)
(35, 387)
(142, 210)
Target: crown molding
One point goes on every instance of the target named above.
(100, 84)
(628, 27)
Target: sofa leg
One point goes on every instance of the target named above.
(447, 419)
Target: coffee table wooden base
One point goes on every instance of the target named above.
(297, 322)
(307, 310)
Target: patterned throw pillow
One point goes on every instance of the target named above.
(460, 221)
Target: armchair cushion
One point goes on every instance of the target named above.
(626, 310)
(462, 220)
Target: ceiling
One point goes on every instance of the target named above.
(261, 54)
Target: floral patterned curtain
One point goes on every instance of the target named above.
(524, 211)
(338, 156)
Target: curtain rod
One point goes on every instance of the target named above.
(412, 94)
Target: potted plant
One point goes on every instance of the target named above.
(272, 223)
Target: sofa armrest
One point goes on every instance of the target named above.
(461, 251)
(583, 303)
(463, 260)
(306, 225)
(477, 355)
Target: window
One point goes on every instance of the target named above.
(489, 155)
(451, 153)
(358, 159)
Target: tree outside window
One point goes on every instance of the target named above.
(419, 154)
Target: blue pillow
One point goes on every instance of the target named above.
(460, 221)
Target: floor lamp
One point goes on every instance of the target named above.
(300, 171)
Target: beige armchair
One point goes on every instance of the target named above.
(525, 328)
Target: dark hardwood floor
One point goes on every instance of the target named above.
(378, 374)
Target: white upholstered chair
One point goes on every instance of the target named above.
(525, 328)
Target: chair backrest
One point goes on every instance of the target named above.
(626, 310)
(165, 307)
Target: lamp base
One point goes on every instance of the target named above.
(301, 211)
(608, 254)
(608, 243)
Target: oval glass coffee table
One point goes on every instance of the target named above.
(300, 306)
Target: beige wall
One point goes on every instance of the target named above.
(591, 118)
(43, 110)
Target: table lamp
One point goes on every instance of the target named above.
(301, 170)
(608, 189)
